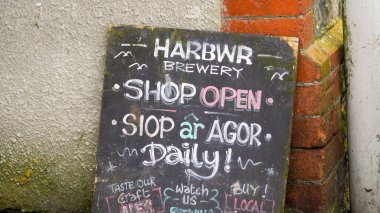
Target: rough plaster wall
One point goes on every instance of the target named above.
(51, 73)
(324, 12)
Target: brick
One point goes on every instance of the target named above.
(310, 70)
(315, 132)
(324, 55)
(313, 198)
(315, 164)
(336, 57)
(315, 99)
(301, 27)
(332, 44)
(266, 7)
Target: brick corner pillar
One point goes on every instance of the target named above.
(316, 179)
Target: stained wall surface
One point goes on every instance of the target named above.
(52, 64)
(363, 64)
(324, 11)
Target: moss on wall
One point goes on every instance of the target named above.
(52, 67)
(44, 178)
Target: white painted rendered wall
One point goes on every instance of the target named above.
(51, 76)
(363, 63)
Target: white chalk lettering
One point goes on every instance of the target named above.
(160, 126)
(169, 92)
(244, 133)
(172, 155)
(205, 51)
(222, 70)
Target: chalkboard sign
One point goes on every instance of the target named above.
(194, 121)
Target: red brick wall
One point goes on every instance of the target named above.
(317, 148)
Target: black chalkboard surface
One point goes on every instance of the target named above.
(194, 121)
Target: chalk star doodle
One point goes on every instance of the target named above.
(124, 54)
(280, 76)
(270, 172)
(111, 167)
(139, 66)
